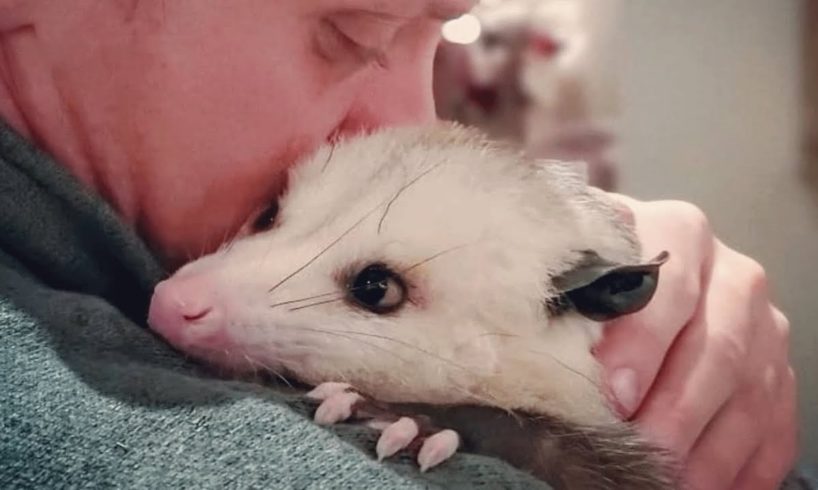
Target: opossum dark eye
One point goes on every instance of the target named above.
(266, 219)
(378, 289)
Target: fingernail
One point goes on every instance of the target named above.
(623, 387)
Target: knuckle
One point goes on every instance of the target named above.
(745, 278)
(754, 275)
(691, 216)
(782, 325)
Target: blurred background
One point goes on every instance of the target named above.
(715, 103)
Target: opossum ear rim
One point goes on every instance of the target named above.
(601, 290)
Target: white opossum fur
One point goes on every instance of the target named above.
(475, 230)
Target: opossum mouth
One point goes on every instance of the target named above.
(242, 366)
(223, 361)
(236, 360)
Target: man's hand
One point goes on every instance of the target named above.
(704, 369)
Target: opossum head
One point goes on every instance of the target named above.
(419, 264)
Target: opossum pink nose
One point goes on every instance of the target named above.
(184, 311)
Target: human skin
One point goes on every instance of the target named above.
(184, 116)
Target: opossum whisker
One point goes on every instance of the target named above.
(188, 255)
(321, 331)
(329, 157)
(496, 334)
(229, 245)
(341, 295)
(564, 365)
(405, 344)
(221, 243)
(433, 257)
(317, 303)
(202, 247)
(348, 335)
(266, 368)
(226, 244)
(277, 374)
(212, 244)
(229, 241)
(325, 249)
(403, 188)
(402, 271)
(252, 362)
(306, 298)
(550, 355)
(219, 370)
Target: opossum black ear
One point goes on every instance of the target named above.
(602, 290)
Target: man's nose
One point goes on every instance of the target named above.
(399, 95)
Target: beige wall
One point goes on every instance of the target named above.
(711, 98)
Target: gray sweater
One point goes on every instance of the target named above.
(91, 398)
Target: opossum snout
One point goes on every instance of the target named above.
(186, 312)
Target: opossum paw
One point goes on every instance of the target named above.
(337, 404)
(437, 448)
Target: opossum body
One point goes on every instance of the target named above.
(426, 266)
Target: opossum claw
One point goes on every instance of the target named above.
(336, 408)
(396, 436)
(438, 448)
(325, 390)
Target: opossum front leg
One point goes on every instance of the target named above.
(339, 402)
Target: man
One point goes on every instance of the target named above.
(183, 116)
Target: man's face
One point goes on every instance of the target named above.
(211, 101)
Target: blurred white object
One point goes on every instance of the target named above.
(540, 73)
(462, 30)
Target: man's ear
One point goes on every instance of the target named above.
(602, 290)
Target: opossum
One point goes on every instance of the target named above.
(440, 275)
